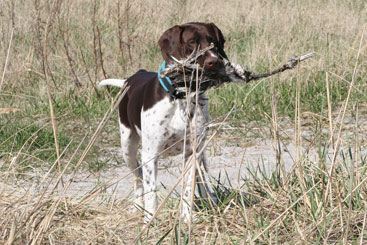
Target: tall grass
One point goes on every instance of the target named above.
(53, 54)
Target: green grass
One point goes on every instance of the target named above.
(267, 208)
(261, 35)
(29, 130)
(35, 142)
(258, 102)
(251, 42)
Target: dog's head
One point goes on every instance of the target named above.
(181, 40)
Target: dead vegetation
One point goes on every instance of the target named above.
(53, 53)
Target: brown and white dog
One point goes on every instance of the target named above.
(153, 115)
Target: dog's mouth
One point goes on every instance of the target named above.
(191, 77)
(199, 79)
(188, 75)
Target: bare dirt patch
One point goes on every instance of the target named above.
(232, 161)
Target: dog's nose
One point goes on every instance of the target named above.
(212, 62)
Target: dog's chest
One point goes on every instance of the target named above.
(166, 124)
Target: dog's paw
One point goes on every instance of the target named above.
(194, 219)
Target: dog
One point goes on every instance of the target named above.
(159, 116)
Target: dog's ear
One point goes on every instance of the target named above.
(220, 39)
(171, 43)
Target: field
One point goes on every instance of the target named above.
(306, 186)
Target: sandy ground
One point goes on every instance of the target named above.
(232, 159)
(232, 163)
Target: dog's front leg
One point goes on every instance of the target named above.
(204, 189)
(186, 205)
(205, 192)
(149, 167)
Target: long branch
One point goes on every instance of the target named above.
(232, 71)
(287, 66)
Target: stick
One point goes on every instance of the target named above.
(7, 58)
(287, 66)
(232, 72)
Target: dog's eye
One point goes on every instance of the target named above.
(191, 42)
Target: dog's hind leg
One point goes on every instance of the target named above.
(129, 145)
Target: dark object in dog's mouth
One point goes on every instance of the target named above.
(185, 73)
(207, 79)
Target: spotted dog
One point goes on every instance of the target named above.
(157, 114)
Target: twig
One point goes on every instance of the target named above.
(119, 32)
(95, 42)
(10, 42)
(189, 62)
(287, 66)
(128, 34)
(52, 76)
(89, 77)
(7, 58)
(100, 52)
(232, 72)
(65, 37)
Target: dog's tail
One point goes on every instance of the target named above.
(112, 82)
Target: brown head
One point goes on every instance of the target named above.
(181, 40)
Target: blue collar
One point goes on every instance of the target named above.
(167, 84)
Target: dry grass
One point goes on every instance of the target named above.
(49, 48)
